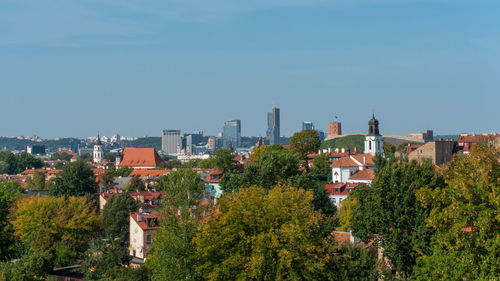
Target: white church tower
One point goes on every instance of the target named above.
(98, 150)
(373, 142)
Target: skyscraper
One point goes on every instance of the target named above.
(307, 126)
(273, 126)
(232, 134)
(171, 141)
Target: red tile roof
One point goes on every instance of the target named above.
(340, 188)
(140, 157)
(365, 174)
(360, 157)
(143, 224)
(345, 162)
(45, 171)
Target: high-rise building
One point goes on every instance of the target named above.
(171, 141)
(232, 134)
(273, 126)
(307, 126)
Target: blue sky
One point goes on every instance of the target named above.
(72, 68)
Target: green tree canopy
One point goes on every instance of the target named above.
(116, 216)
(9, 193)
(38, 182)
(123, 172)
(105, 260)
(14, 164)
(305, 142)
(390, 211)
(76, 179)
(265, 234)
(174, 254)
(224, 160)
(136, 184)
(466, 217)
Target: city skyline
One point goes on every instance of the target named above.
(74, 68)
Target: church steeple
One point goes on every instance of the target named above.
(98, 150)
(373, 141)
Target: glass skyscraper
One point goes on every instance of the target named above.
(232, 134)
(273, 126)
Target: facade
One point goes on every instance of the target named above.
(438, 152)
(212, 185)
(35, 149)
(143, 227)
(273, 126)
(334, 129)
(307, 126)
(427, 135)
(98, 153)
(338, 192)
(466, 142)
(373, 141)
(232, 134)
(171, 141)
(351, 168)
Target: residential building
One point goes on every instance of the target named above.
(140, 158)
(212, 185)
(427, 135)
(373, 141)
(171, 141)
(273, 126)
(339, 191)
(466, 142)
(307, 126)
(438, 152)
(232, 134)
(143, 227)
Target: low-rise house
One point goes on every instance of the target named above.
(143, 227)
(149, 199)
(337, 192)
(344, 168)
(212, 185)
(466, 142)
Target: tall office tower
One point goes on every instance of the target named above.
(189, 144)
(273, 126)
(307, 126)
(232, 134)
(171, 141)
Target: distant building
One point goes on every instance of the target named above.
(321, 135)
(307, 126)
(466, 142)
(232, 134)
(35, 149)
(334, 129)
(171, 141)
(273, 126)
(427, 135)
(212, 144)
(438, 152)
(373, 141)
(75, 147)
(98, 153)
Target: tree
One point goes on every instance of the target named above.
(111, 157)
(34, 265)
(465, 216)
(105, 260)
(208, 163)
(357, 264)
(9, 192)
(123, 171)
(14, 164)
(390, 211)
(108, 178)
(263, 234)
(38, 182)
(224, 160)
(43, 222)
(85, 157)
(321, 168)
(174, 254)
(347, 209)
(136, 184)
(116, 215)
(305, 142)
(76, 179)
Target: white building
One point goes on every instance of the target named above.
(98, 153)
(143, 227)
(350, 168)
(373, 141)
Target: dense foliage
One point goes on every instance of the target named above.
(12, 164)
(116, 216)
(76, 179)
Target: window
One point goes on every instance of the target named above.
(148, 239)
(370, 145)
(334, 201)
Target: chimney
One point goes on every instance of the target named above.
(336, 150)
(343, 150)
(139, 217)
(364, 160)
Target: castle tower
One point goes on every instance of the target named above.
(373, 141)
(98, 151)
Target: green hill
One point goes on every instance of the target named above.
(347, 142)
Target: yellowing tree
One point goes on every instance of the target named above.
(61, 225)
(266, 235)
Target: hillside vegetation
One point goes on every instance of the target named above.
(347, 142)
